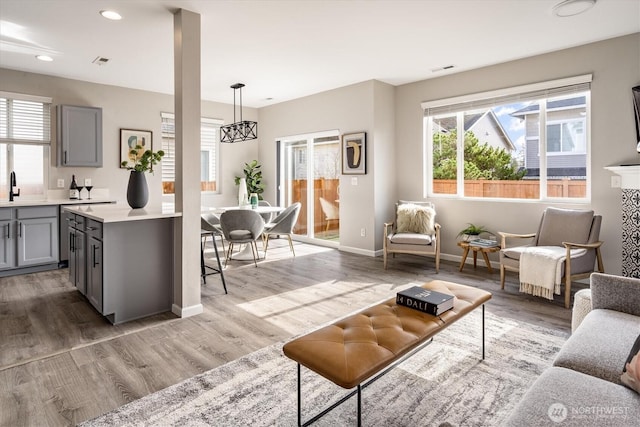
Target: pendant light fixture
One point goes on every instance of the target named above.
(244, 130)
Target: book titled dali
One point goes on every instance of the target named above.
(425, 300)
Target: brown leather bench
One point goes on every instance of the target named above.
(355, 348)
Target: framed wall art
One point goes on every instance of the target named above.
(129, 139)
(354, 153)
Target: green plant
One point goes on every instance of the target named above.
(253, 176)
(142, 162)
(472, 230)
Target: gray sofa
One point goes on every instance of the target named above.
(583, 386)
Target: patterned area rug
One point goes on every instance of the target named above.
(446, 382)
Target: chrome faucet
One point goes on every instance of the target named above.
(12, 183)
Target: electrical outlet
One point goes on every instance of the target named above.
(354, 180)
(87, 181)
(61, 183)
(616, 181)
(363, 232)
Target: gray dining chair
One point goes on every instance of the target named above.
(267, 216)
(242, 226)
(282, 224)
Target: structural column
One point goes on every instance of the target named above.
(186, 294)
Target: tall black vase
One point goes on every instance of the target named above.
(137, 190)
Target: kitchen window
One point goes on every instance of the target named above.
(209, 153)
(527, 142)
(25, 140)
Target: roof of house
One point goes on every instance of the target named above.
(578, 101)
(448, 124)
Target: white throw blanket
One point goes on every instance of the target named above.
(541, 269)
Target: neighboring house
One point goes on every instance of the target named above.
(485, 126)
(566, 140)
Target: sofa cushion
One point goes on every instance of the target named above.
(562, 397)
(416, 219)
(564, 225)
(600, 345)
(410, 239)
(631, 372)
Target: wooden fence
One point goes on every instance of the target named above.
(524, 189)
(168, 187)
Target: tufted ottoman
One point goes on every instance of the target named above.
(355, 348)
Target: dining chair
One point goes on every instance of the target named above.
(282, 224)
(242, 226)
(267, 216)
(330, 210)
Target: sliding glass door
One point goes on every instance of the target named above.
(309, 168)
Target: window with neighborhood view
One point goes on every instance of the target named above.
(209, 149)
(519, 143)
(25, 139)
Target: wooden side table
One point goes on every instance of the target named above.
(466, 247)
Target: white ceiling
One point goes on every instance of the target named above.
(286, 49)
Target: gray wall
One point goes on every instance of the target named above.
(133, 109)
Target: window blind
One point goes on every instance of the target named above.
(209, 129)
(25, 119)
(484, 100)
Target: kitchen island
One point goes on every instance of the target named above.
(121, 259)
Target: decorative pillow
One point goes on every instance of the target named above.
(631, 372)
(416, 219)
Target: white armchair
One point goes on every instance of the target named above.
(414, 231)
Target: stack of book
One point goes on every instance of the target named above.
(484, 243)
(425, 300)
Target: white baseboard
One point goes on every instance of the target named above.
(187, 311)
(359, 251)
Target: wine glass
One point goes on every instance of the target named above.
(80, 187)
(89, 187)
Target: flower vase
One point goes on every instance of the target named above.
(137, 190)
(254, 200)
(242, 192)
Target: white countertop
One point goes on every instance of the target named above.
(121, 213)
(17, 203)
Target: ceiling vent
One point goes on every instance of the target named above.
(446, 67)
(100, 60)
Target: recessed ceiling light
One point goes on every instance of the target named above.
(568, 8)
(111, 14)
(45, 58)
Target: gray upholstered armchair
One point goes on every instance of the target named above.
(282, 224)
(572, 234)
(414, 231)
(242, 226)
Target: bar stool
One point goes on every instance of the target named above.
(203, 267)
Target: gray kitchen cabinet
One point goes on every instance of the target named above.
(37, 241)
(7, 246)
(94, 272)
(79, 136)
(94, 263)
(77, 252)
(29, 239)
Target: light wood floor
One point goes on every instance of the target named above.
(61, 363)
